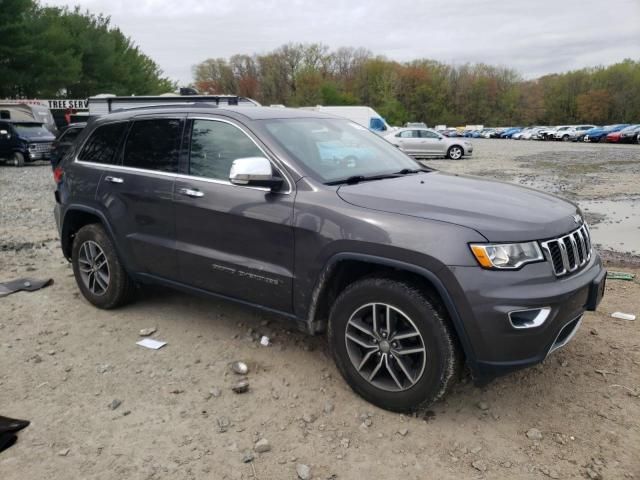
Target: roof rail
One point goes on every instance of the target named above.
(167, 105)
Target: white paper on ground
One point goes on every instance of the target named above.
(151, 343)
(623, 316)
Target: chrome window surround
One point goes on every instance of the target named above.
(182, 175)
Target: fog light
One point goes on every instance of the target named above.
(529, 318)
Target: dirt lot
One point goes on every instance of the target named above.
(63, 363)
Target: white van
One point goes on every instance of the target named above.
(365, 116)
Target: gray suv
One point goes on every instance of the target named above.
(412, 273)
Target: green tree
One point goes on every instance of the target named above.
(61, 52)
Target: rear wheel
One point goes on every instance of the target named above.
(455, 152)
(391, 345)
(97, 269)
(17, 159)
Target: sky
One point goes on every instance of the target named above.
(535, 37)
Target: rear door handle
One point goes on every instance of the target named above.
(111, 179)
(190, 192)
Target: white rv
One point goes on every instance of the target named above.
(107, 103)
(365, 116)
(29, 111)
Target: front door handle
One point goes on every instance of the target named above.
(111, 179)
(190, 192)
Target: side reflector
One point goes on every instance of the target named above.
(481, 256)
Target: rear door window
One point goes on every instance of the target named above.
(103, 144)
(154, 144)
(428, 134)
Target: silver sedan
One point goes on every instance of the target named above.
(424, 142)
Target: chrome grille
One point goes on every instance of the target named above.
(569, 252)
(44, 147)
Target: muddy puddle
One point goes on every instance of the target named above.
(615, 224)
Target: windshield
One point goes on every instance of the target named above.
(32, 130)
(336, 149)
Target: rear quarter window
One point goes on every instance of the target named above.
(103, 143)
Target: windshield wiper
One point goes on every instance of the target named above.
(361, 178)
(407, 171)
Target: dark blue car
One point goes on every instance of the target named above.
(508, 133)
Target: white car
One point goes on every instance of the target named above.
(572, 132)
(548, 133)
(424, 142)
(524, 134)
(532, 134)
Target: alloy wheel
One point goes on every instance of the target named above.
(94, 267)
(385, 347)
(455, 153)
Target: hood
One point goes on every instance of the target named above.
(35, 138)
(501, 212)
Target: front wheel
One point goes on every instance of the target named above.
(391, 344)
(17, 159)
(455, 153)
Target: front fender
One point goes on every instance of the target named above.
(441, 279)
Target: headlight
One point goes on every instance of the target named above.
(506, 255)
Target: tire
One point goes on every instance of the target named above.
(565, 138)
(430, 372)
(455, 152)
(106, 287)
(17, 159)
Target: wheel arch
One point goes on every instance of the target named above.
(76, 217)
(345, 268)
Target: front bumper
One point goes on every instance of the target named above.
(33, 156)
(498, 347)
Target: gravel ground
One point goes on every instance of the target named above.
(102, 407)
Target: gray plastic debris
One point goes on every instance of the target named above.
(27, 284)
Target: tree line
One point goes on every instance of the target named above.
(298, 74)
(51, 52)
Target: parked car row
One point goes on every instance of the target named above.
(617, 133)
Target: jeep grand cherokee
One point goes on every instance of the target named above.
(412, 273)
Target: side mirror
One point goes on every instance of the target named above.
(253, 172)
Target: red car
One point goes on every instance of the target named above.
(613, 137)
